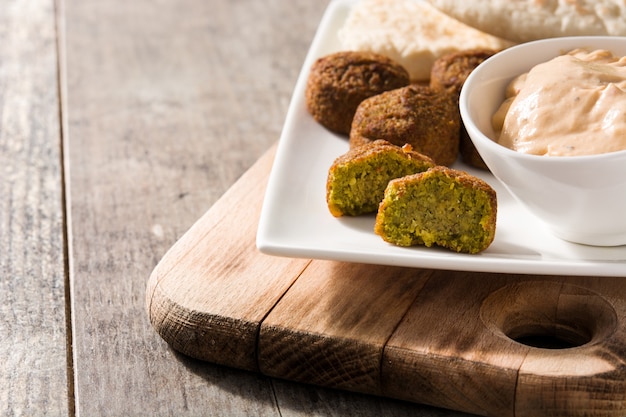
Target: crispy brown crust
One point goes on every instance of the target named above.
(338, 83)
(451, 70)
(469, 153)
(465, 179)
(425, 118)
(367, 150)
(457, 175)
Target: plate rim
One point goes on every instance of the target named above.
(436, 258)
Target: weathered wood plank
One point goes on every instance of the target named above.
(33, 370)
(476, 342)
(327, 322)
(168, 103)
(246, 284)
(460, 365)
(330, 329)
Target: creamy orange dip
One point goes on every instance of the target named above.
(574, 104)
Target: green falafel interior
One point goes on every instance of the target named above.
(357, 180)
(440, 207)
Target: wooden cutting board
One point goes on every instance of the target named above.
(488, 344)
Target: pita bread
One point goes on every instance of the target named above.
(411, 32)
(527, 20)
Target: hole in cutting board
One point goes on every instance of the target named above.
(549, 315)
(550, 337)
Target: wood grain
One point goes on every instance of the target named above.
(164, 105)
(167, 105)
(33, 367)
(245, 277)
(332, 325)
(489, 344)
(481, 378)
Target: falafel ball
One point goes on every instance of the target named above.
(425, 118)
(469, 153)
(338, 83)
(449, 72)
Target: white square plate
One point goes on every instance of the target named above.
(295, 221)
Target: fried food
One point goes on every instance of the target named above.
(357, 180)
(469, 153)
(451, 70)
(449, 73)
(439, 207)
(425, 118)
(339, 82)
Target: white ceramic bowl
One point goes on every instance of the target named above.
(581, 199)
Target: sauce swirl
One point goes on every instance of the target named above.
(574, 104)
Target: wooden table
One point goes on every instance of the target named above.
(121, 123)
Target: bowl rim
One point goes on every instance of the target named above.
(476, 134)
